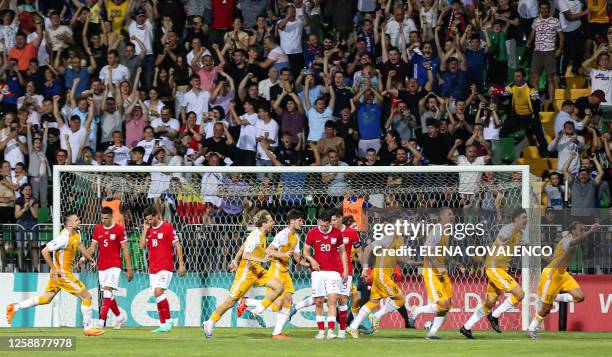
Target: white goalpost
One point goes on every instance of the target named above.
(210, 207)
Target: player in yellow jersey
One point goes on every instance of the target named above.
(499, 281)
(286, 245)
(250, 272)
(383, 285)
(435, 276)
(556, 284)
(60, 255)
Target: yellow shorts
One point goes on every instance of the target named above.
(69, 283)
(246, 277)
(499, 281)
(438, 287)
(285, 278)
(553, 282)
(383, 285)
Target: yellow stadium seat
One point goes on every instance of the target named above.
(531, 152)
(576, 82)
(561, 93)
(548, 122)
(581, 92)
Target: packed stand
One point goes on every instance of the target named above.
(286, 83)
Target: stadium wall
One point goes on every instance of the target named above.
(191, 303)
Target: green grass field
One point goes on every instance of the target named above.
(246, 342)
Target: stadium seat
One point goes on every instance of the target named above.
(531, 152)
(576, 82)
(581, 92)
(548, 122)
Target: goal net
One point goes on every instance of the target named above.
(211, 209)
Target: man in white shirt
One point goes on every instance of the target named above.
(165, 126)
(196, 100)
(142, 28)
(601, 75)
(264, 85)
(290, 32)
(468, 181)
(393, 26)
(573, 38)
(248, 133)
(120, 72)
(122, 153)
(59, 36)
(73, 134)
(266, 129)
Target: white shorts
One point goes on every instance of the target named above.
(160, 279)
(109, 277)
(325, 283)
(345, 288)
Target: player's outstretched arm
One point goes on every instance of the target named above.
(365, 257)
(582, 236)
(273, 251)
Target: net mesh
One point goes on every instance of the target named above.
(212, 211)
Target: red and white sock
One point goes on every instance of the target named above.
(342, 316)
(114, 307)
(331, 323)
(163, 308)
(320, 322)
(106, 305)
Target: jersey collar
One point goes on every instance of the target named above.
(159, 225)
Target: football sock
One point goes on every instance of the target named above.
(390, 306)
(304, 303)
(437, 323)
(86, 312)
(104, 310)
(163, 309)
(363, 313)
(476, 316)
(106, 304)
(331, 323)
(250, 302)
(320, 322)
(281, 319)
(565, 297)
(262, 306)
(535, 323)
(342, 316)
(426, 309)
(29, 303)
(114, 307)
(503, 307)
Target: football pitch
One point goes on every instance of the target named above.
(245, 342)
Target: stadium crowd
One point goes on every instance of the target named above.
(302, 82)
